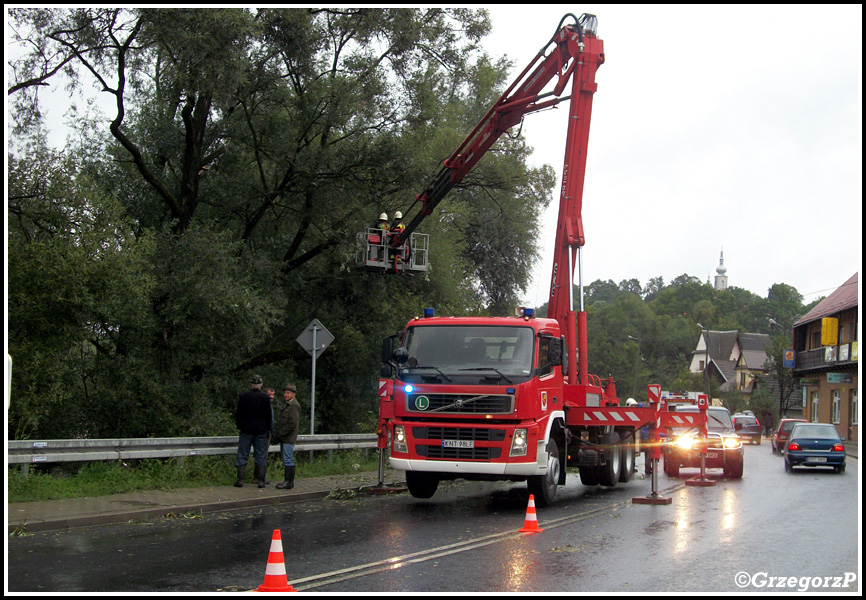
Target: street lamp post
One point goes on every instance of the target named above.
(636, 363)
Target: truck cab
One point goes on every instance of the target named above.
(475, 398)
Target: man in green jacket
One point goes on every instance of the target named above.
(287, 432)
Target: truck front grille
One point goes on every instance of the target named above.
(458, 453)
(461, 403)
(458, 433)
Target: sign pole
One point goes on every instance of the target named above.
(313, 394)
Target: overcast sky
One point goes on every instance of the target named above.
(713, 127)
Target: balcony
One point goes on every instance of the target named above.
(826, 357)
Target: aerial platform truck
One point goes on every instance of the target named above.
(511, 398)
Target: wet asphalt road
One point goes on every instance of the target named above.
(739, 536)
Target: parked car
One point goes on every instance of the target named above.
(724, 448)
(780, 436)
(814, 445)
(748, 427)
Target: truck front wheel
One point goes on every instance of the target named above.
(421, 485)
(543, 487)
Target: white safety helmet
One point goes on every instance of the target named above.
(398, 215)
(631, 402)
(383, 217)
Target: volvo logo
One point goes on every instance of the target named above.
(459, 404)
(422, 403)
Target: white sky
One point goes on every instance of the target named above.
(714, 127)
(735, 127)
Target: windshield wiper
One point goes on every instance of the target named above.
(501, 374)
(434, 368)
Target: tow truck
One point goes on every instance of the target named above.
(511, 398)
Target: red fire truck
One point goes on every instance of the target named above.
(511, 398)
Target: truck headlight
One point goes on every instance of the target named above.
(400, 439)
(518, 444)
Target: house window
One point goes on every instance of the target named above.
(852, 408)
(836, 407)
(742, 380)
(814, 407)
(701, 365)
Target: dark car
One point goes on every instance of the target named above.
(815, 445)
(748, 427)
(780, 436)
(724, 448)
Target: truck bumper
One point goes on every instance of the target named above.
(516, 469)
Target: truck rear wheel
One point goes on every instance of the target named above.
(609, 472)
(543, 487)
(421, 485)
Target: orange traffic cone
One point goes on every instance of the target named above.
(275, 573)
(530, 524)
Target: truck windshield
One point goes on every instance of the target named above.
(470, 350)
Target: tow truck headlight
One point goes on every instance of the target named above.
(400, 439)
(518, 444)
(732, 442)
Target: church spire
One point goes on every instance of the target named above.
(721, 278)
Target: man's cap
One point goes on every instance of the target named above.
(290, 387)
(256, 379)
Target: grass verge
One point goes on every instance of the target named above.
(83, 480)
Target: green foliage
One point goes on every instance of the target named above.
(183, 242)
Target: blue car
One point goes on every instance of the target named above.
(814, 445)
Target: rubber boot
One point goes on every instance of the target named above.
(289, 481)
(240, 481)
(260, 475)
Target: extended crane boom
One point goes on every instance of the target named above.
(573, 53)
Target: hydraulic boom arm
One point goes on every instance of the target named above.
(569, 54)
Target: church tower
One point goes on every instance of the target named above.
(721, 278)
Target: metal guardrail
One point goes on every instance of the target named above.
(54, 451)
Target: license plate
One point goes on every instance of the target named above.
(458, 444)
(817, 459)
(712, 454)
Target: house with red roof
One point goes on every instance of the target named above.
(826, 356)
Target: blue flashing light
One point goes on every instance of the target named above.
(529, 313)
(509, 391)
(428, 312)
(409, 388)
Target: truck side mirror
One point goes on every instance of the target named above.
(386, 371)
(554, 352)
(387, 349)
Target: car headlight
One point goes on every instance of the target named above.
(685, 442)
(732, 442)
(518, 444)
(400, 439)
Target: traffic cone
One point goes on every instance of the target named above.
(530, 524)
(275, 573)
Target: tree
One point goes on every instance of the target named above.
(245, 150)
(779, 377)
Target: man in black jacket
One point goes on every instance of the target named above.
(254, 419)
